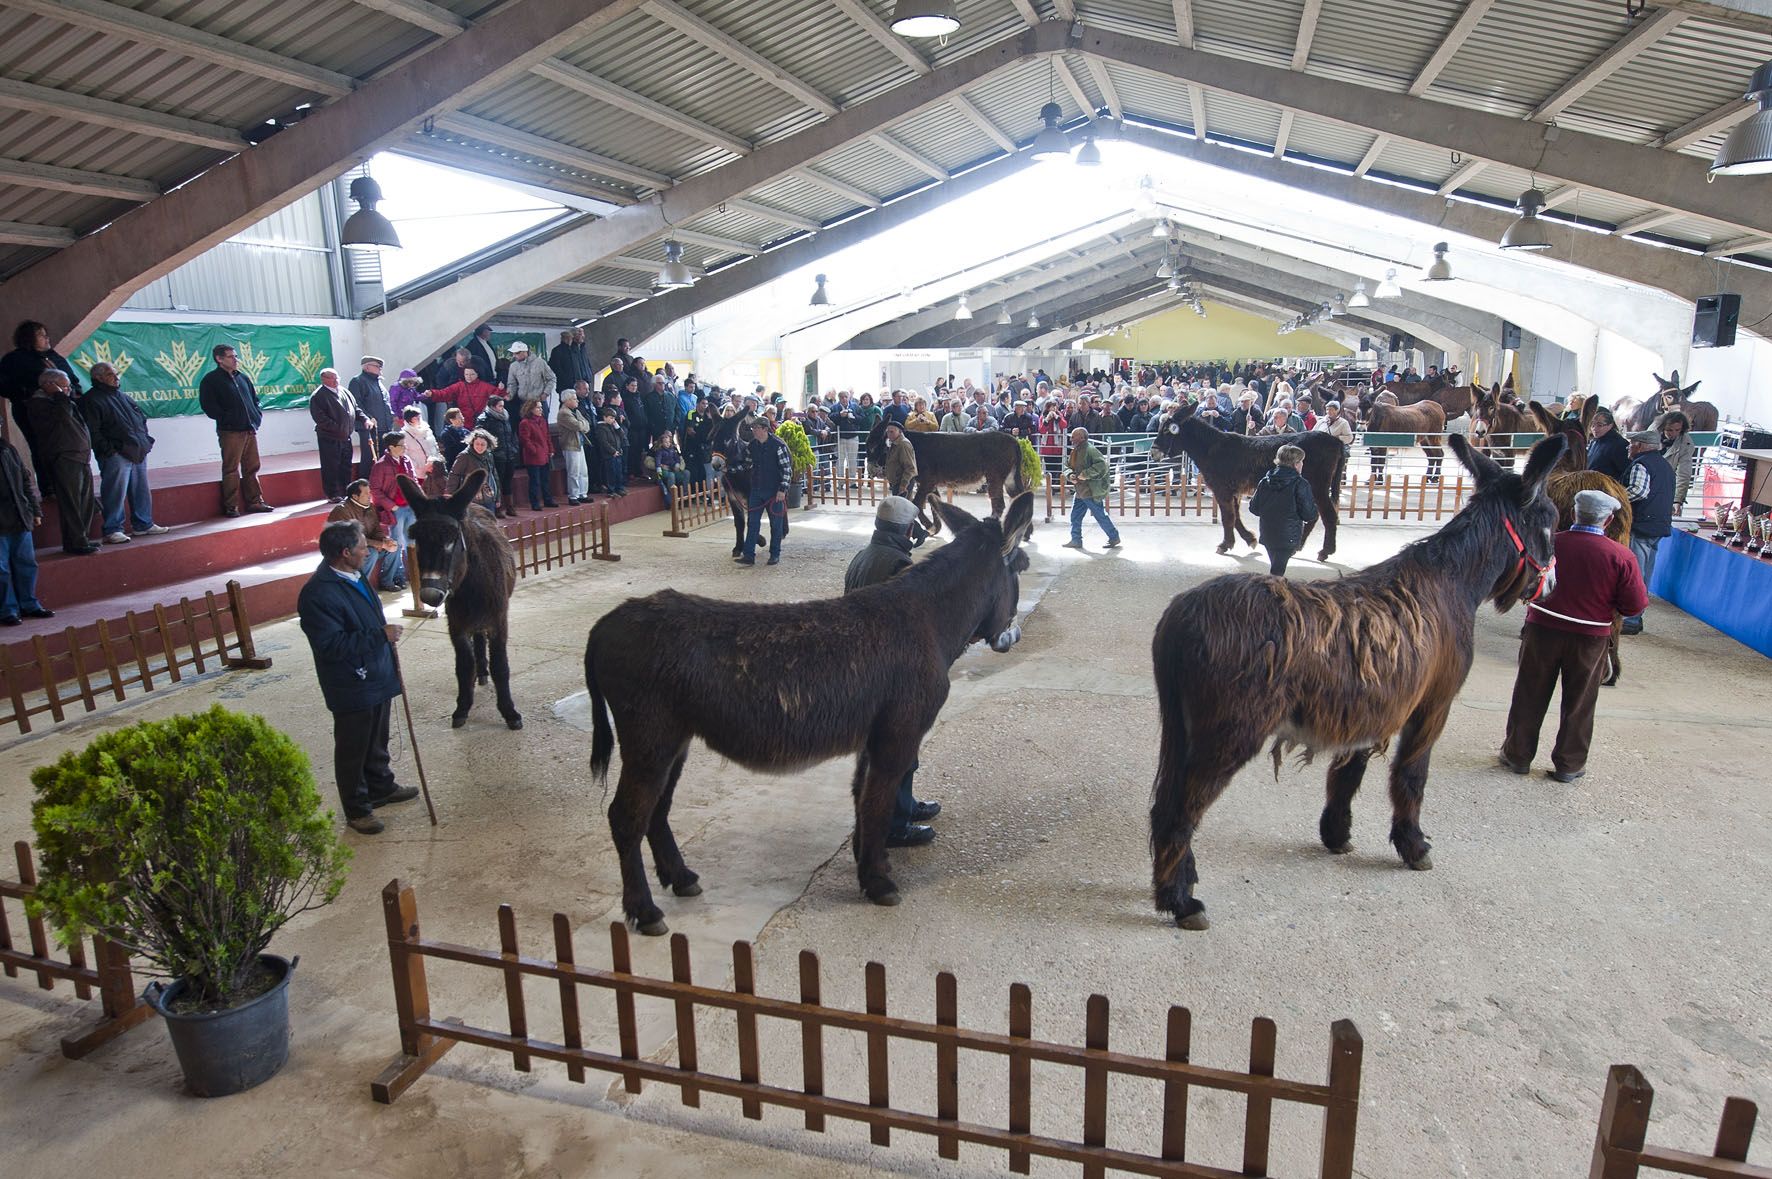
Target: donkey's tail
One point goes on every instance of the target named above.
(602, 736)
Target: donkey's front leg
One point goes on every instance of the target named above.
(464, 680)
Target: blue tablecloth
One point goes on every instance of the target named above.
(1724, 587)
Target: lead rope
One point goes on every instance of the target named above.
(411, 731)
(1531, 606)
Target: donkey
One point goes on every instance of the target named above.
(1575, 431)
(1232, 465)
(1493, 417)
(464, 558)
(1425, 419)
(1672, 395)
(1337, 667)
(992, 456)
(743, 678)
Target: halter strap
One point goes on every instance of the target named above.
(1527, 559)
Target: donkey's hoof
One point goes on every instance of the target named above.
(1423, 863)
(887, 899)
(514, 720)
(1324, 555)
(457, 720)
(482, 679)
(1222, 549)
(654, 928)
(691, 889)
(1194, 921)
(1342, 849)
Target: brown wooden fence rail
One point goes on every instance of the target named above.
(1620, 1153)
(1161, 493)
(563, 538)
(134, 652)
(697, 505)
(111, 974)
(848, 487)
(424, 1040)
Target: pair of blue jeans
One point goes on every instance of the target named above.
(403, 519)
(18, 574)
(539, 491)
(123, 482)
(778, 523)
(1093, 507)
(615, 472)
(1644, 548)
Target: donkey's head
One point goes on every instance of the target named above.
(1672, 392)
(1168, 441)
(440, 557)
(875, 445)
(726, 443)
(1521, 512)
(1002, 597)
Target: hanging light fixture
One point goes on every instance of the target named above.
(1359, 299)
(1004, 319)
(1338, 306)
(1160, 229)
(1089, 156)
(819, 296)
(1388, 289)
(367, 229)
(673, 275)
(1033, 319)
(1166, 269)
(924, 18)
(1050, 143)
(1174, 282)
(962, 311)
(1528, 231)
(1748, 149)
(1441, 270)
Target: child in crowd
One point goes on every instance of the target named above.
(673, 472)
(612, 444)
(454, 438)
(1284, 504)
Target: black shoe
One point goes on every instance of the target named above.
(924, 810)
(39, 612)
(261, 507)
(1562, 776)
(1112, 544)
(774, 559)
(90, 551)
(397, 794)
(367, 825)
(1631, 626)
(10, 620)
(231, 513)
(548, 503)
(914, 835)
(746, 561)
(1515, 766)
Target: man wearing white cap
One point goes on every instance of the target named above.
(529, 379)
(1565, 638)
(887, 555)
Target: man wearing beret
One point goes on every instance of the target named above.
(888, 554)
(1565, 638)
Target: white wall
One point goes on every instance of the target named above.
(1737, 380)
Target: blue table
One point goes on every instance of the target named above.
(1724, 587)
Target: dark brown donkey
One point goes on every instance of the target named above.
(1337, 668)
(964, 459)
(1232, 465)
(777, 688)
(1424, 419)
(464, 559)
(1670, 396)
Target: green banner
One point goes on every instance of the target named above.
(502, 341)
(161, 364)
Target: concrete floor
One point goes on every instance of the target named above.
(1565, 928)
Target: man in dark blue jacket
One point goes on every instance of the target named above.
(229, 400)
(1649, 481)
(354, 657)
(771, 468)
(1607, 452)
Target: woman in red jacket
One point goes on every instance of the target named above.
(535, 448)
(468, 394)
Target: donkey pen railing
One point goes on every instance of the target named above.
(697, 505)
(1620, 1153)
(110, 974)
(131, 652)
(1162, 492)
(563, 538)
(424, 1040)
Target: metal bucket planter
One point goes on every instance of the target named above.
(223, 1052)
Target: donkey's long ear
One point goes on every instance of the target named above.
(1686, 392)
(955, 519)
(1477, 463)
(1588, 408)
(1541, 418)
(1018, 521)
(413, 492)
(470, 487)
(1539, 466)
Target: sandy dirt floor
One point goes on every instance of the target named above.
(1564, 928)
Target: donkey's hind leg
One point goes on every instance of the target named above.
(1415, 744)
(637, 798)
(667, 858)
(1337, 824)
(481, 672)
(877, 776)
(1175, 819)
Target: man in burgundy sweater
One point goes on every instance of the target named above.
(1565, 637)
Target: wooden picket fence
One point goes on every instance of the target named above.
(1620, 1153)
(562, 538)
(849, 488)
(134, 652)
(110, 972)
(697, 505)
(1162, 493)
(424, 1040)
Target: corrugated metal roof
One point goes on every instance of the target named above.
(816, 43)
(944, 135)
(1239, 118)
(1259, 31)
(1696, 68)
(873, 168)
(1413, 160)
(1524, 49)
(1327, 140)
(1380, 43)
(1141, 18)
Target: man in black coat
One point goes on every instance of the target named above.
(1607, 451)
(354, 657)
(230, 400)
(336, 420)
(1284, 504)
(64, 448)
(479, 347)
(121, 441)
(372, 401)
(639, 425)
(771, 468)
(567, 360)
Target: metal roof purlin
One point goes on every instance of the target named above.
(420, 13)
(1456, 36)
(738, 53)
(1608, 63)
(45, 100)
(500, 135)
(879, 30)
(622, 98)
(978, 119)
(99, 184)
(1307, 32)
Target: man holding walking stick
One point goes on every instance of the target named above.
(359, 674)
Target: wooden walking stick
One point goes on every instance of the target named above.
(412, 734)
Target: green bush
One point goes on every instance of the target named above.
(1033, 471)
(799, 446)
(189, 841)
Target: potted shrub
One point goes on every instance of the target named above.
(190, 842)
(800, 451)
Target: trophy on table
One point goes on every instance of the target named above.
(1724, 514)
(1761, 526)
(1744, 524)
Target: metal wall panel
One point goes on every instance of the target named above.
(280, 266)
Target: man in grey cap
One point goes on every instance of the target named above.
(888, 554)
(1650, 482)
(1565, 637)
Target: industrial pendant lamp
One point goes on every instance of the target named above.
(1441, 270)
(1033, 319)
(1527, 232)
(1160, 230)
(1050, 143)
(962, 311)
(1388, 289)
(924, 18)
(819, 297)
(1089, 156)
(1358, 298)
(367, 229)
(1003, 317)
(1166, 269)
(1748, 150)
(1338, 306)
(673, 275)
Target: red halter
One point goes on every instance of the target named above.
(1526, 559)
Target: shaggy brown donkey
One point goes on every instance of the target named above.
(776, 688)
(1232, 465)
(1493, 418)
(464, 558)
(1425, 419)
(955, 458)
(1337, 667)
